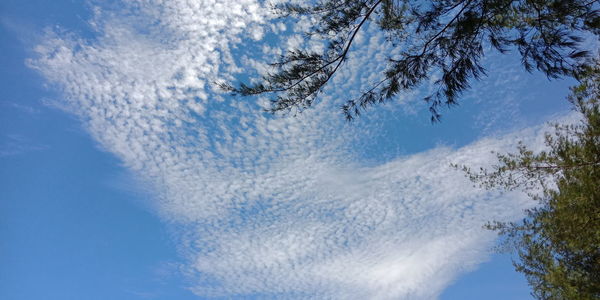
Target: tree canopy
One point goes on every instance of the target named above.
(558, 242)
(447, 37)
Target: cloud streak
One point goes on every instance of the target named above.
(16, 144)
(269, 206)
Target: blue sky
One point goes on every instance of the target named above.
(125, 175)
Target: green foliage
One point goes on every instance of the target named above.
(558, 242)
(447, 37)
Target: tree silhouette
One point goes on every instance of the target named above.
(447, 37)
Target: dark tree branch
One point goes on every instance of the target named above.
(340, 58)
(547, 34)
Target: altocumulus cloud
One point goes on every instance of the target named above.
(268, 206)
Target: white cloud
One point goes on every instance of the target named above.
(265, 205)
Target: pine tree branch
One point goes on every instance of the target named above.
(426, 45)
(347, 48)
(340, 58)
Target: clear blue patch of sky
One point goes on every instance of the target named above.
(68, 233)
(495, 279)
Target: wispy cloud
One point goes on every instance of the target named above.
(269, 206)
(16, 144)
(20, 107)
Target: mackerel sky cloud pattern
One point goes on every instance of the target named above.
(269, 206)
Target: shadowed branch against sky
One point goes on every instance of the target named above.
(305, 206)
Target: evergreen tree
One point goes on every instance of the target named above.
(558, 242)
(443, 36)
